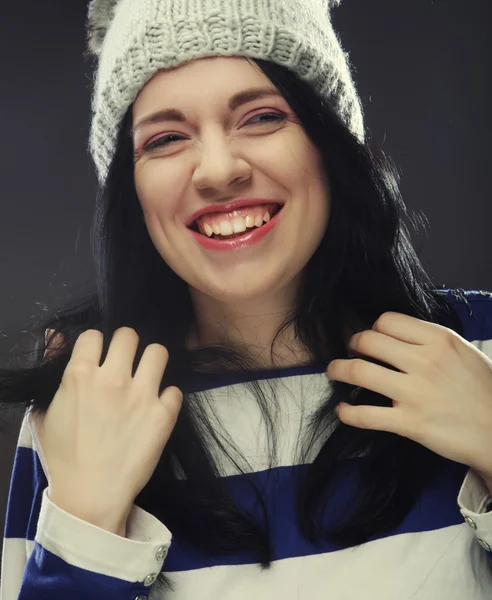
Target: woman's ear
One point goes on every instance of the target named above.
(52, 342)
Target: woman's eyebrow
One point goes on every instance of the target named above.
(173, 114)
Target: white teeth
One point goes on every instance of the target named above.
(237, 225)
(250, 222)
(225, 228)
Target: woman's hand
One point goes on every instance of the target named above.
(442, 396)
(104, 431)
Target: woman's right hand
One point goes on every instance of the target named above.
(104, 431)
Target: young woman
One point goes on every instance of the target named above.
(266, 396)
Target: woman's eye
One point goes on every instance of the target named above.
(278, 116)
(166, 139)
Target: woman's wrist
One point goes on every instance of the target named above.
(112, 522)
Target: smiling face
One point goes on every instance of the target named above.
(219, 153)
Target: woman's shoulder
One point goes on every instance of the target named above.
(474, 309)
(462, 296)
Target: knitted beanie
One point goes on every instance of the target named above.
(133, 39)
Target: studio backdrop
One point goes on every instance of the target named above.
(422, 68)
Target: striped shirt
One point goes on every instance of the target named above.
(441, 551)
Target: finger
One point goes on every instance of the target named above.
(88, 346)
(384, 348)
(377, 418)
(151, 368)
(361, 372)
(121, 352)
(172, 398)
(409, 329)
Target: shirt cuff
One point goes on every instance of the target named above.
(473, 500)
(137, 558)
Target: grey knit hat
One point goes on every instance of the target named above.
(133, 39)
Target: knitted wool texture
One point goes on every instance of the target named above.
(133, 39)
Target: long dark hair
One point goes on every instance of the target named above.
(364, 266)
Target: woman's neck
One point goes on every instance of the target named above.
(287, 352)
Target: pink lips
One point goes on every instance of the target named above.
(230, 207)
(250, 238)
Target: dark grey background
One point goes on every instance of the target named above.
(423, 71)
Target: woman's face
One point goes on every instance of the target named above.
(216, 154)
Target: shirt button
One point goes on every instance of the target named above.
(149, 580)
(485, 545)
(141, 597)
(161, 552)
(470, 522)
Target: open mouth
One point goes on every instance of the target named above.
(214, 236)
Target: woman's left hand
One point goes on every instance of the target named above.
(442, 396)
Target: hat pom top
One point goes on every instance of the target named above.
(99, 17)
